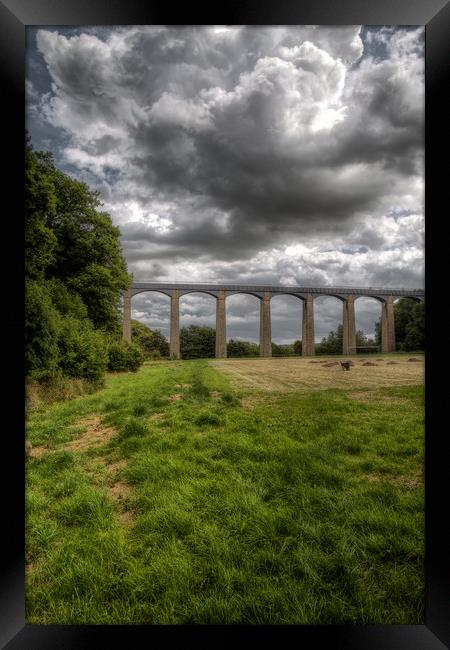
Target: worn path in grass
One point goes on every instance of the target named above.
(180, 494)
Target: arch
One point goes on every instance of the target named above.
(328, 320)
(288, 293)
(369, 312)
(196, 308)
(135, 292)
(286, 322)
(185, 292)
(250, 293)
(330, 295)
(153, 313)
(242, 310)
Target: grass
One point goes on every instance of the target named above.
(218, 503)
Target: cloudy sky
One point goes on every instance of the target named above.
(261, 155)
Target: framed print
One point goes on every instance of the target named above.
(244, 126)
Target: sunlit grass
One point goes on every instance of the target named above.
(294, 508)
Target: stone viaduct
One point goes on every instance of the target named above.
(347, 295)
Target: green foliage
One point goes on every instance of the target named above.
(40, 204)
(153, 343)
(197, 342)
(75, 272)
(332, 344)
(123, 355)
(409, 318)
(82, 349)
(41, 331)
(242, 348)
(282, 350)
(297, 347)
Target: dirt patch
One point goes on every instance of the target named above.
(183, 385)
(37, 452)
(392, 363)
(329, 365)
(413, 359)
(119, 491)
(96, 434)
(215, 393)
(176, 397)
(369, 363)
(125, 517)
(156, 416)
(409, 482)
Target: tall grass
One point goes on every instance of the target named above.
(288, 509)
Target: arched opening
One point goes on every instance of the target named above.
(368, 313)
(328, 325)
(286, 324)
(197, 325)
(243, 321)
(150, 318)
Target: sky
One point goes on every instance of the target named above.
(284, 155)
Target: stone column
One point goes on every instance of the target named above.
(348, 326)
(308, 346)
(221, 328)
(126, 315)
(265, 334)
(387, 325)
(175, 324)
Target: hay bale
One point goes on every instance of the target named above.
(391, 363)
(413, 359)
(369, 363)
(332, 363)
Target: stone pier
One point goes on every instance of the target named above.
(308, 345)
(174, 344)
(387, 325)
(127, 315)
(221, 328)
(265, 334)
(348, 326)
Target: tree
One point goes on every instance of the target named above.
(151, 341)
(74, 272)
(242, 348)
(197, 342)
(282, 350)
(69, 238)
(409, 319)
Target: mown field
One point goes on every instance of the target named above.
(274, 491)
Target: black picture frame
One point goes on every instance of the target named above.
(15, 16)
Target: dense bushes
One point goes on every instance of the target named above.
(123, 355)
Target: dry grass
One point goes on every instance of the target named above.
(289, 375)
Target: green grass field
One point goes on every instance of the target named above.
(184, 494)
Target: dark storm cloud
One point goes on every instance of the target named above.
(278, 155)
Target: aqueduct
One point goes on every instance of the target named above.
(347, 295)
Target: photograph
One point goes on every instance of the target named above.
(225, 325)
(218, 355)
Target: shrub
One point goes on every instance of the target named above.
(83, 350)
(123, 355)
(41, 332)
